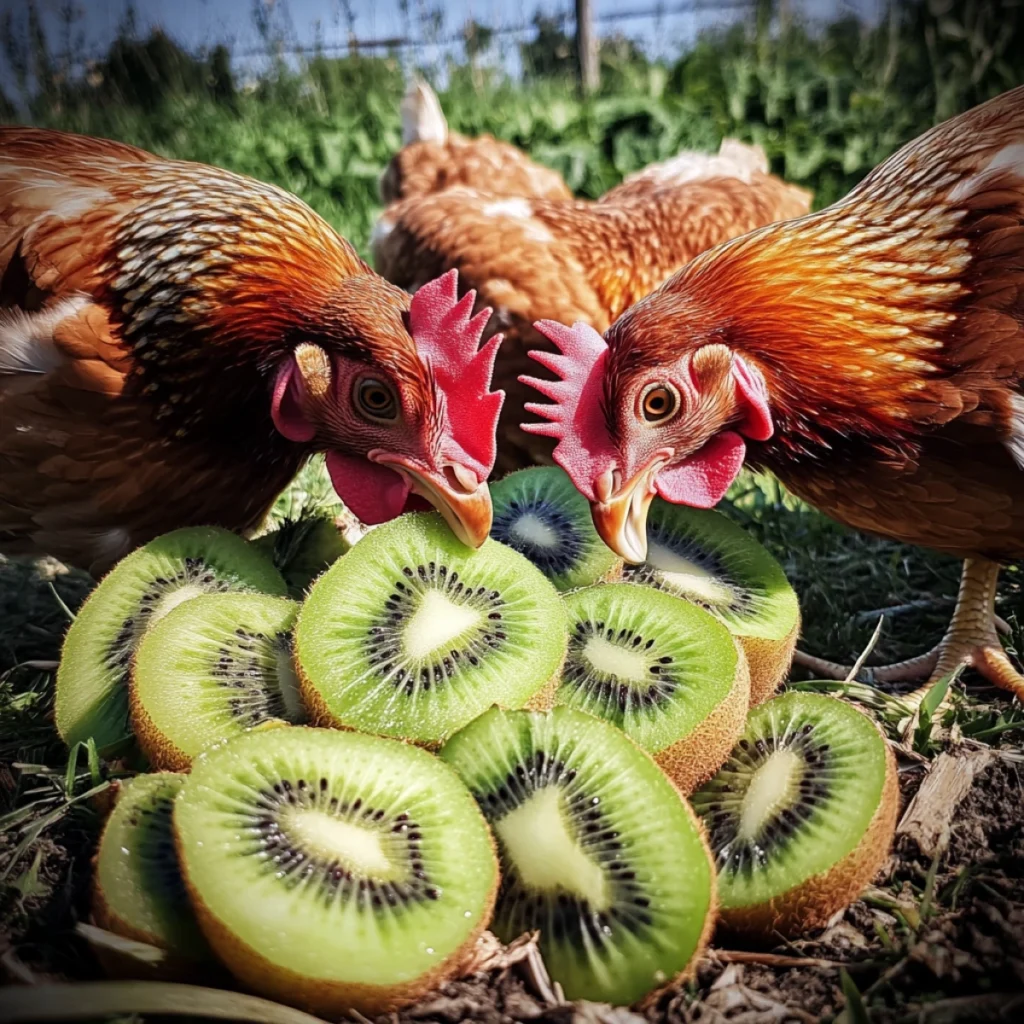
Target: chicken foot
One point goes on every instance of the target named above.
(971, 639)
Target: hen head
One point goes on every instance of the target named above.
(397, 394)
(637, 415)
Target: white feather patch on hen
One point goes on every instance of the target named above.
(1015, 442)
(379, 235)
(26, 339)
(734, 159)
(1008, 158)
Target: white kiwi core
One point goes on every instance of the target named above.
(358, 848)
(770, 789)
(686, 575)
(545, 854)
(607, 657)
(436, 623)
(172, 599)
(533, 530)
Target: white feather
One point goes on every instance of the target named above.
(1008, 158)
(1015, 442)
(734, 159)
(422, 117)
(379, 235)
(26, 339)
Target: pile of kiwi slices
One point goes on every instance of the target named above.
(364, 755)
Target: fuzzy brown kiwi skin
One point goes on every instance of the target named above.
(695, 758)
(329, 998)
(811, 904)
(320, 714)
(769, 661)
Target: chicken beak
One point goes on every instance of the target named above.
(456, 492)
(621, 517)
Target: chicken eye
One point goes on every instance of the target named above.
(658, 403)
(375, 399)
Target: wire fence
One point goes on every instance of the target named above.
(424, 35)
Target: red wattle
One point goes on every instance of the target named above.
(373, 492)
(702, 479)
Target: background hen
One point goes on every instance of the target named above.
(176, 340)
(432, 158)
(569, 260)
(871, 355)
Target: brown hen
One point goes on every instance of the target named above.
(176, 340)
(432, 158)
(871, 355)
(569, 260)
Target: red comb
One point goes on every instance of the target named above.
(448, 338)
(576, 419)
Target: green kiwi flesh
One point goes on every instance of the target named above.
(801, 814)
(302, 549)
(334, 870)
(412, 634)
(704, 557)
(138, 891)
(598, 850)
(540, 513)
(92, 681)
(210, 669)
(666, 672)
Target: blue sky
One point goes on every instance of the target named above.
(199, 22)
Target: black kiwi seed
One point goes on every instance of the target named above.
(736, 854)
(551, 560)
(567, 916)
(382, 644)
(267, 837)
(607, 688)
(690, 549)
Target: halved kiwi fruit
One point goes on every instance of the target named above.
(412, 634)
(334, 870)
(801, 817)
(704, 557)
(598, 850)
(214, 667)
(303, 548)
(92, 681)
(666, 672)
(540, 513)
(138, 891)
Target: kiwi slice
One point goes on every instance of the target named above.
(666, 672)
(212, 668)
(598, 850)
(801, 816)
(704, 557)
(334, 870)
(138, 891)
(92, 681)
(540, 513)
(412, 634)
(302, 549)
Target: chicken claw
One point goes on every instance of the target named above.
(971, 640)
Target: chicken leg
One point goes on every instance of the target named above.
(970, 640)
